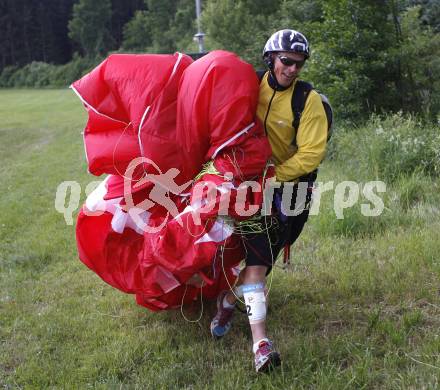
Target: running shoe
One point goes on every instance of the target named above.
(266, 358)
(222, 321)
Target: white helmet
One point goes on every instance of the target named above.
(287, 40)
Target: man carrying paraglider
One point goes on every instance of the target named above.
(184, 115)
(297, 150)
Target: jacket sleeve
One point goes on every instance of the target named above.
(311, 140)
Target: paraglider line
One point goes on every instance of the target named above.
(201, 303)
(89, 106)
(196, 235)
(241, 132)
(235, 162)
(114, 152)
(180, 56)
(242, 236)
(139, 130)
(222, 256)
(268, 238)
(93, 108)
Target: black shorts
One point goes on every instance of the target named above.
(264, 248)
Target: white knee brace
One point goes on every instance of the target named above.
(255, 300)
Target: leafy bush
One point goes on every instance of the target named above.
(5, 76)
(40, 74)
(353, 221)
(35, 74)
(388, 147)
(64, 75)
(399, 150)
(362, 58)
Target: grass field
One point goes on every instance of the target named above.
(359, 308)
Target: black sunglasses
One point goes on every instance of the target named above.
(286, 61)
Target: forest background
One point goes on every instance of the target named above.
(367, 55)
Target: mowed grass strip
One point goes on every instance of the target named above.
(357, 308)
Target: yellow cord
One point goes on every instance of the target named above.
(201, 304)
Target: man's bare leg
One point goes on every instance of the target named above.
(251, 275)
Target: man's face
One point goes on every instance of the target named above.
(287, 67)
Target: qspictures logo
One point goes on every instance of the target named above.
(205, 196)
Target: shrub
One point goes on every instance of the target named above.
(40, 74)
(412, 190)
(36, 74)
(5, 76)
(386, 148)
(354, 223)
(64, 75)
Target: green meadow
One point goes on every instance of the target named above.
(357, 308)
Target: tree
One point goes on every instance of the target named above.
(419, 55)
(373, 56)
(137, 33)
(429, 12)
(241, 26)
(34, 31)
(122, 12)
(90, 26)
(298, 14)
(351, 59)
(163, 27)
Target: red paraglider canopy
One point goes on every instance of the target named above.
(149, 233)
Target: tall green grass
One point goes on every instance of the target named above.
(388, 147)
(357, 308)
